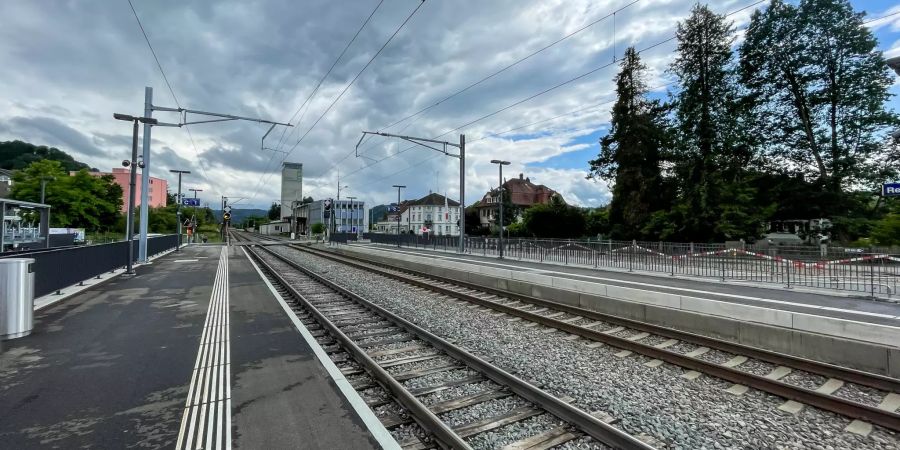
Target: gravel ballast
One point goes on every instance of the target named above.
(658, 402)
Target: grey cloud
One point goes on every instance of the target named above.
(264, 58)
(49, 131)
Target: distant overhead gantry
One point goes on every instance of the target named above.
(425, 142)
(183, 120)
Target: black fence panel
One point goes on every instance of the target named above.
(415, 241)
(342, 238)
(160, 244)
(56, 269)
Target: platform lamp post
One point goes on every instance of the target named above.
(178, 206)
(129, 222)
(500, 164)
(194, 222)
(44, 180)
(398, 186)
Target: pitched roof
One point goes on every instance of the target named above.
(522, 188)
(433, 199)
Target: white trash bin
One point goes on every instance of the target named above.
(16, 297)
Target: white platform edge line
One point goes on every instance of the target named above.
(743, 297)
(201, 376)
(379, 432)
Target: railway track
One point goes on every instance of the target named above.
(746, 367)
(385, 350)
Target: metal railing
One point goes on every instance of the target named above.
(342, 238)
(875, 272)
(56, 269)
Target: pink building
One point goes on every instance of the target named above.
(158, 188)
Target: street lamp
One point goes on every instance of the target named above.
(351, 212)
(129, 222)
(44, 180)
(500, 164)
(398, 212)
(178, 206)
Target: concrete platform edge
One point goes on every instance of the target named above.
(837, 341)
(379, 432)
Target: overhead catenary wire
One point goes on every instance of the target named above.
(350, 84)
(309, 98)
(540, 93)
(509, 66)
(327, 73)
(346, 88)
(174, 97)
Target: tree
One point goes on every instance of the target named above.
(78, 201)
(554, 220)
(160, 220)
(17, 155)
(274, 212)
(597, 222)
(318, 228)
(631, 154)
(713, 144)
(820, 84)
(306, 200)
(473, 222)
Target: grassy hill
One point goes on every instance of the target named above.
(16, 155)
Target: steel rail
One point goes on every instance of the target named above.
(580, 419)
(445, 436)
(849, 408)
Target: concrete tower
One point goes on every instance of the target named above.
(291, 187)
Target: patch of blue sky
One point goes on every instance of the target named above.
(587, 148)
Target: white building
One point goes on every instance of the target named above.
(281, 227)
(433, 214)
(349, 216)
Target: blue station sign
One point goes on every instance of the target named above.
(890, 190)
(190, 202)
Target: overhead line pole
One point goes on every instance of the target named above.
(183, 120)
(462, 172)
(178, 206)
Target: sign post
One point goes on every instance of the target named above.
(890, 190)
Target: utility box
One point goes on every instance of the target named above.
(16, 297)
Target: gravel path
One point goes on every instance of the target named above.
(658, 402)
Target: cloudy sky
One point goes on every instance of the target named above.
(68, 65)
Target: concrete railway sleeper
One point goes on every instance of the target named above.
(387, 351)
(658, 343)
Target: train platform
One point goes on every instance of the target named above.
(194, 351)
(849, 305)
(861, 333)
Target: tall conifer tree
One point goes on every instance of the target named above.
(630, 155)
